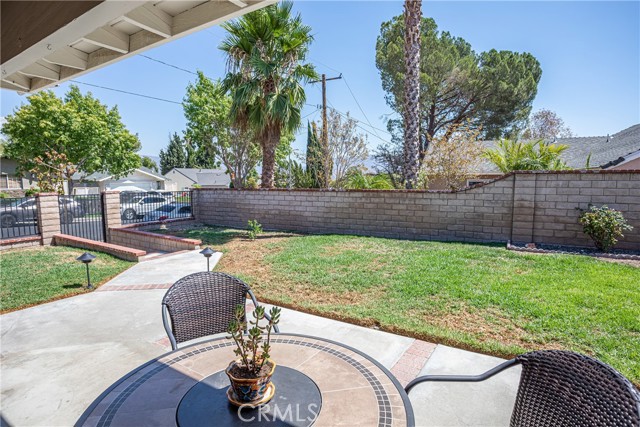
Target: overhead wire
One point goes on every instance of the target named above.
(126, 92)
(169, 65)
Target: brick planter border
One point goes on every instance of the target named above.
(20, 242)
(122, 252)
(151, 241)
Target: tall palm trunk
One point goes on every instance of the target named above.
(412, 18)
(269, 146)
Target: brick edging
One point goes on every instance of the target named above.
(412, 361)
(15, 240)
(157, 236)
(123, 252)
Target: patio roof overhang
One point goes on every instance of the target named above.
(45, 43)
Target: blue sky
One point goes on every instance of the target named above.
(589, 52)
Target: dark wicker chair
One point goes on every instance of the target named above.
(562, 388)
(202, 304)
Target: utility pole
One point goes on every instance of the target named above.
(325, 126)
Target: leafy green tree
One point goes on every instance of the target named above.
(175, 155)
(266, 52)
(511, 155)
(493, 90)
(316, 158)
(357, 180)
(148, 163)
(90, 135)
(210, 128)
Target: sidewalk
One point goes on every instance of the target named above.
(58, 357)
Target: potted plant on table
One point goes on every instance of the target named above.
(250, 375)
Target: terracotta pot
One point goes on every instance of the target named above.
(250, 391)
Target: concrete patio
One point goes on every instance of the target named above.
(58, 357)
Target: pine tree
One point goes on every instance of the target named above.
(175, 156)
(315, 157)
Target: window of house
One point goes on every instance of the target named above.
(8, 182)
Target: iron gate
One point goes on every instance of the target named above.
(83, 216)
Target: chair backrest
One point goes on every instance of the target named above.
(562, 388)
(202, 304)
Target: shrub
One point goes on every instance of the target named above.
(30, 192)
(4, 195)
(253, 229)
(604, 225)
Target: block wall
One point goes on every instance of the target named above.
(524, 207)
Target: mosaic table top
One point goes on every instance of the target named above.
(355, 389)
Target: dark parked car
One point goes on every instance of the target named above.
(25, 211)
(169, 211)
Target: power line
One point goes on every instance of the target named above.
(169, 65)
(126, 92)
(313, 112)
(364, 129)
(358, 104)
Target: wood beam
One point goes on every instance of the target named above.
(102, 56)
(43, 70)
(152, 19)
(69, 57)
(239, 3)
(109, 38)
(6, 85)
(19, 80)
(142, 39)
(205, 14)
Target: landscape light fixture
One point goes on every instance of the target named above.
(86, 259)
(207, 252)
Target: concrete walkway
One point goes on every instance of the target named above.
(58, 357)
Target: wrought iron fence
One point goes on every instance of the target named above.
(82, 216)
(158, 205)
(18, 217)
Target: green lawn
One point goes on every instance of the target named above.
(35, 275)
(479, 297)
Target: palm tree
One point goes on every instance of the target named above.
(511, 155)
(412, 18)
(266, 50)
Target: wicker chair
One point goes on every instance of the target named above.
(202, 304)
(562, 388)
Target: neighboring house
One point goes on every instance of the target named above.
(141, 179)
(186, 178)
(10, 182)
(618, 151)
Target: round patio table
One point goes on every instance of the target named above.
(317, 382)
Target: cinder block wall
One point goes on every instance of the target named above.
(523, 207)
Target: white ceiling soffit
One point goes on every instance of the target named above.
(111, 31)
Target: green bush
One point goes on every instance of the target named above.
(604, 225)
(30, 192)
(253, 229)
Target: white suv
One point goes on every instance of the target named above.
(140, 206)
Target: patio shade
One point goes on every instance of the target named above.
(45, 43)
